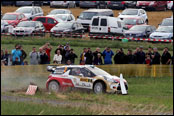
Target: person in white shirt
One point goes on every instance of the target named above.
(57, 58)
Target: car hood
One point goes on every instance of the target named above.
(126, 16)
(24, 28)
(27, 15)
(113, 77)
(134, 32)
(59, 29)
(161, 34)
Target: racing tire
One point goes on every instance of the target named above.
(98, 88)
(54, 86)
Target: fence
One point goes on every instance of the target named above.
(95, 36)
(17, 77)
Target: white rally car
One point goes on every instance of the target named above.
(85, 76)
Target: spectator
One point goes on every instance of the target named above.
(97, 57)
(68, 62)
(47, 47)
(156, 56)
(89, 57)
(25, 63)
(43, 57)
(82, 56)
(172, 60)
(140, 56)
(23, 56)
(107, 54)
(135, 54)
(82, 62)
(62, 52)
(166, 56)
(57, 58)
(130, 59)
(39, 54)
(72, 56)
(119, 58)
(34, 57)
(16, 54)
(148, 60)
(7, 58)
(67, 52)
(149, 52)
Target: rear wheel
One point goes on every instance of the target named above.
(54, 86)
(98, 88)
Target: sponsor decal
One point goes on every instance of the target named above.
(64, 83)
(86, 80)
(83, 85)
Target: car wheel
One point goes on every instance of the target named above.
(98, 88)
(53, 86)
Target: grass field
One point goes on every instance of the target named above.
(145, 96)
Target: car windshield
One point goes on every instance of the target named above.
(9, 17)
(130, 21)
(165, 29)
(98, 71)
(130, 12)
(57, 12)
(88, 15)
(138, 28)
(167, 22)
(62, 17)
(26, 24)
(64, 25)
(24, 10)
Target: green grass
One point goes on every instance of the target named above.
(19, 108)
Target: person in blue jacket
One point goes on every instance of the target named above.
(16, 54)
(107, 55)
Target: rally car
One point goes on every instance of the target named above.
(86, 77)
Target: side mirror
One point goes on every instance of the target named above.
(81, 75)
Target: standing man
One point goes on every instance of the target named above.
(34, 57)
(156, 56)
(141, 56)
(166, 56)
(89, 57)
(47, 47)
(23, 56)
(107, 54)
(16, 54)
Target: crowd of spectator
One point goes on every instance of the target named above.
(66, 55)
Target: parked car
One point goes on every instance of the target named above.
(48, 22)
(88, 4)
(86, 77)
(116, 5)
(64, 17)
(59, 11)
(29, 28)
(68, 27)
(14, 18)
(77, 3)
(64, 4)
(140, 31)
(23, 3)
(170, 5)
(30, 11)
(86, 16)
(129, 22)
(128, 13)
(130, 4)
(106, 25)
(46, 2)
(163, 32)
(167, 22)
(37, 3)
(102, 4)
(5, 27)
(1, 14)
(152, 5)
(6, 3)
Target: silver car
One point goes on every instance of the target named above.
(59, 11)
(140, 31)
(29, 28)
(5, 27)
(64, 4)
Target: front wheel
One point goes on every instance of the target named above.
(54, 86)
(98, 88)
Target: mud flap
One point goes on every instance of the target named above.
(123, 88)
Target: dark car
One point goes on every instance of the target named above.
(130, 4)
(23, 3)
(140, 31)
(46, 2)
(37, 3)
(67, 27)
(77, 3)
(102, 4)
(88, 4)
(6, 3)
(152, 5)
(116, 5)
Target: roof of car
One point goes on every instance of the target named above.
(97, 10)
(13, 13)
(133, 9)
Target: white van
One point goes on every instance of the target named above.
(106, 25)
(86, 16)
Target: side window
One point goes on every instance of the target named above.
(103, 22)
(140, 21)
(86, 72)
(50, 21)
(34, 11)
(43, 20)
(95, 22)
(37, 10)
(119, 24)
(75, 71)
